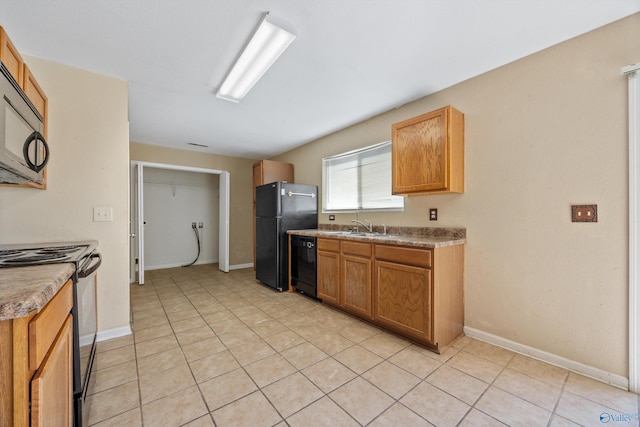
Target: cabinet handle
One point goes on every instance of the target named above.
(291, 193)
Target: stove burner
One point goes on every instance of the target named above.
(21, 256)
(11, 252)
(34, 258)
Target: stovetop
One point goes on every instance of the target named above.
(45, 253)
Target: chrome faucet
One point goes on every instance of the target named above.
(368, 227)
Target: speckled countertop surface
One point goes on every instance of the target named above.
(24, 289)
(427, 237)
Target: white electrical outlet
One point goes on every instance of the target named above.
(102, 214)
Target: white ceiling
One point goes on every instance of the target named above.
(351, 60)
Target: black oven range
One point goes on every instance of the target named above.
(84, 256)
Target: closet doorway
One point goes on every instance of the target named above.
(220, 204)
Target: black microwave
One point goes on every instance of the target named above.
(23, 149)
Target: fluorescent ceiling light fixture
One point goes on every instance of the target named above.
(265, 47)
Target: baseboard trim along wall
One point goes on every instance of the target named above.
(113, 333)
(163, 266)
(552, 359)
(240, 266)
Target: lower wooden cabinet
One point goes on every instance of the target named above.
(344, 275)
(419, 292)
(51, 388)
(356, 278)
(328, 270)
(403, 295)
(415, 292)
(36, 365)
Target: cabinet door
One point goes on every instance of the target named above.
(328, 267)
(404, 299)
(428, 153)
(276, 171)
(420, 154)
(35, 93)
(51, 388)
(11, 57)
(356, 285)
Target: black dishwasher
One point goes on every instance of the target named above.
(303, 264)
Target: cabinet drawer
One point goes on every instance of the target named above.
(44, 327)
(356, 248)
(402, 255)
(328, 245)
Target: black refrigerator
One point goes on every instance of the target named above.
(281, 206)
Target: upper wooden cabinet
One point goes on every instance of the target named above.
(18, 68)
(10, 57)
(266, 171)
(35, 93)
(428, 153)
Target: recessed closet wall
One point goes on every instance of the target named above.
(173, 200)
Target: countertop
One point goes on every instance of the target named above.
(428, 237)
(24, 289)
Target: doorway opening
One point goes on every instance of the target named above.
(219, 204)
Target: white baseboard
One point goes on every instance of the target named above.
(113, 333)
(162, 266)
(552, 359)
(240, 266)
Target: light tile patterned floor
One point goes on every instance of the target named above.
(211, 348)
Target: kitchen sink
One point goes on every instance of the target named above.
(355, 233)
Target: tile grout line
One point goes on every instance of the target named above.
(472, 407)
(135, 352)
(209, 412)
(555, 406)
(331, 356)
(230, 297)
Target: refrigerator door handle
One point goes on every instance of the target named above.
(291, 193)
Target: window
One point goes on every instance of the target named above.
(359, 180)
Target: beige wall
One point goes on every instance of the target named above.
(241, 199)
(542, 133)
(89, 166)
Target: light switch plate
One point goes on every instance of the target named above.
(102, 214)
(584, 213)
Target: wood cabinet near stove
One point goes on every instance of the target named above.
(36, 368)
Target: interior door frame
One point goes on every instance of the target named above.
(633, 74)
(137, 213)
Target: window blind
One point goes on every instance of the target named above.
(359, 180)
